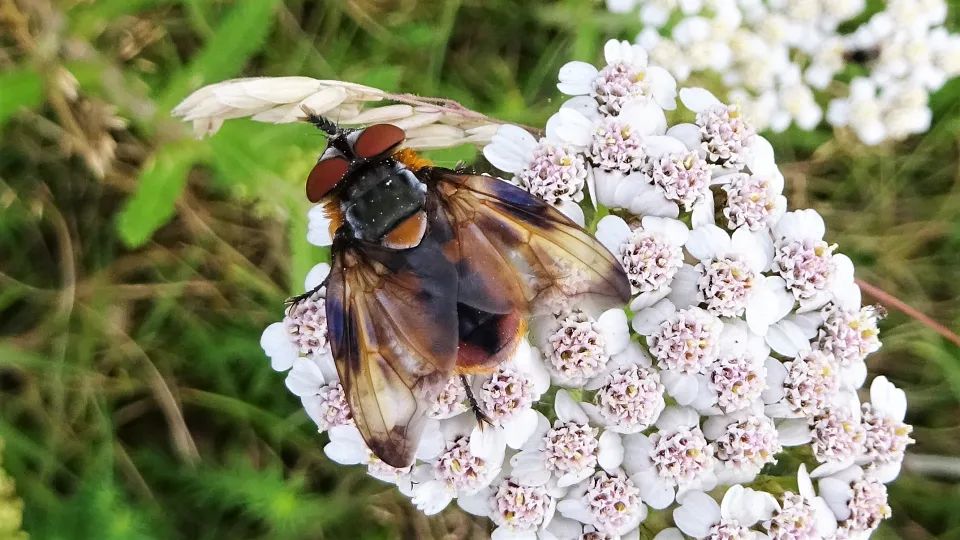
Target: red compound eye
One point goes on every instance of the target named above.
(325, 176)
(377, 140)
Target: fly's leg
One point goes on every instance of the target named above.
(294, 300)
(482, 417)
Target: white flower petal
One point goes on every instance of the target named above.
(708, 242)
(277, 345)
(697, 514)
(576, 78)
(520, 428)
(572, 210)
(889, 399)
(318, 227)
(698, 99)
(612, 231)
(568, 410)
(487, 443)
(653, 491)
(610, 452)
(647, 320)
(615, 329)
(688, 134)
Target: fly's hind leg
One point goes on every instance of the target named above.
(482, 417)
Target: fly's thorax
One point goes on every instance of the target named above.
(379, 197)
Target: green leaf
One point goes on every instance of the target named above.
(236, 39)
(161, 182)
(89, 19)
(22, 89)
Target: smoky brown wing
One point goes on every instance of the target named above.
(392, 325)
(555, 262)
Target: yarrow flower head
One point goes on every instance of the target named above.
(744, 444)
(811, 383)
(849, 334)
(747, 337)
(609, 502)
(857, 499)
(631, 399)
(625, 79)
(651, 253)
(688, 341)
(753, 200)
(518, 508)
(725, 135)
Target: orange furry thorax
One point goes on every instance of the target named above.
(412, 159)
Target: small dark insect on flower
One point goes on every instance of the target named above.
(436, 272)
(862, 56)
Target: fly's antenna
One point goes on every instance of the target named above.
(323, 124)
(335, 134)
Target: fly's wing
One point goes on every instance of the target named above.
(392, 325)
(555, 264)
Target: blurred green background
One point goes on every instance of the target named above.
(138, 266)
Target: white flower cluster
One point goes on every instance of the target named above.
(782, 60)
(748, 338)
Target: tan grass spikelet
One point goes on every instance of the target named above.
(430, 123)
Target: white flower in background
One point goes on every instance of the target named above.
(651, 254)
(907, 110)
(797, 105)
(665, 52)
(699, 516)
(626, 78)
(676, 457)
(704, 43)
(862, 112)
(569, 451)
(802, 515)
(765, 54)
(857, 500)
(886, 435)
(549, 169)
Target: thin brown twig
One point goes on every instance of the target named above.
(454, 107)
(910, 311)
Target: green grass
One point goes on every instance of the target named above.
(135, 401)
